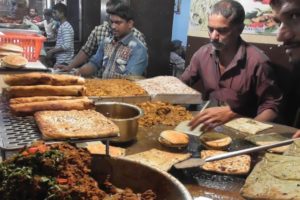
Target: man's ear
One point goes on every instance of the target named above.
(131, 23)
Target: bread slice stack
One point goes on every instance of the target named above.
(11, 56)
(10, 49)
(34, 92)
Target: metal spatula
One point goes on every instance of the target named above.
(185, 128)
(196, 162)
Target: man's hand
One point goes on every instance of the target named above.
(212, 117)
(65, 68)
(49, 54)
(297, 134)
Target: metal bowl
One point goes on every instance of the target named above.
(126, 173)
(124, 115)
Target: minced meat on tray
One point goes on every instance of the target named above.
(57, 172)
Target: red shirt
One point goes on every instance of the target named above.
(247, 85)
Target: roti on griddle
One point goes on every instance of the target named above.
(247, 125)
(159, 159)
(270, 138)
(234, 165)
(100, 148)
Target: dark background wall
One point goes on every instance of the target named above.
(155, 18)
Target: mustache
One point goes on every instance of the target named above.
(216, 43)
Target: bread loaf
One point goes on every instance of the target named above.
(42, 98)
(37, 78)
(45, 90)
(32, 107)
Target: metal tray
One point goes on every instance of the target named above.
(129, 99)
(178, 98)
(17, 132)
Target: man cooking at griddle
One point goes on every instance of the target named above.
(233, 73)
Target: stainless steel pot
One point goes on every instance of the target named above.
(126, 173)
(124, 115)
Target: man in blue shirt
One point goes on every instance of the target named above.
(121, 55)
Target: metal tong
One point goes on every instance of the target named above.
(196, 162)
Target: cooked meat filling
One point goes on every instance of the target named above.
(162, 113)
(57, 172)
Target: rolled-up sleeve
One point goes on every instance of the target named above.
(97, 59)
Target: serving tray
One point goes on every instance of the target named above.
(16, 132)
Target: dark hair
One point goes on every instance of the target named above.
(47, 12)
(175, 44)
(60, 7)
(230, 9)
(33, 9)
(112, 3)
(122, 10)
(274, 3)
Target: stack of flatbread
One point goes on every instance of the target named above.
(11, 56)
(10, 49)
(275, 177)
(33, 92)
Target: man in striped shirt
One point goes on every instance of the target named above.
(63, 51)
(97, 35)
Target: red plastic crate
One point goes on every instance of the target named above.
(31, 43)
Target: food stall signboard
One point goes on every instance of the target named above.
(258, 18)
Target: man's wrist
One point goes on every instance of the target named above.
(231, 114)
(69, 68)
(76, 71)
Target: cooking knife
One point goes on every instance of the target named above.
(196, 162)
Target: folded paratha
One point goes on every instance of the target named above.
(275, 177)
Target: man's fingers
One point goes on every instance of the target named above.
(197, 120)
(297, 134)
